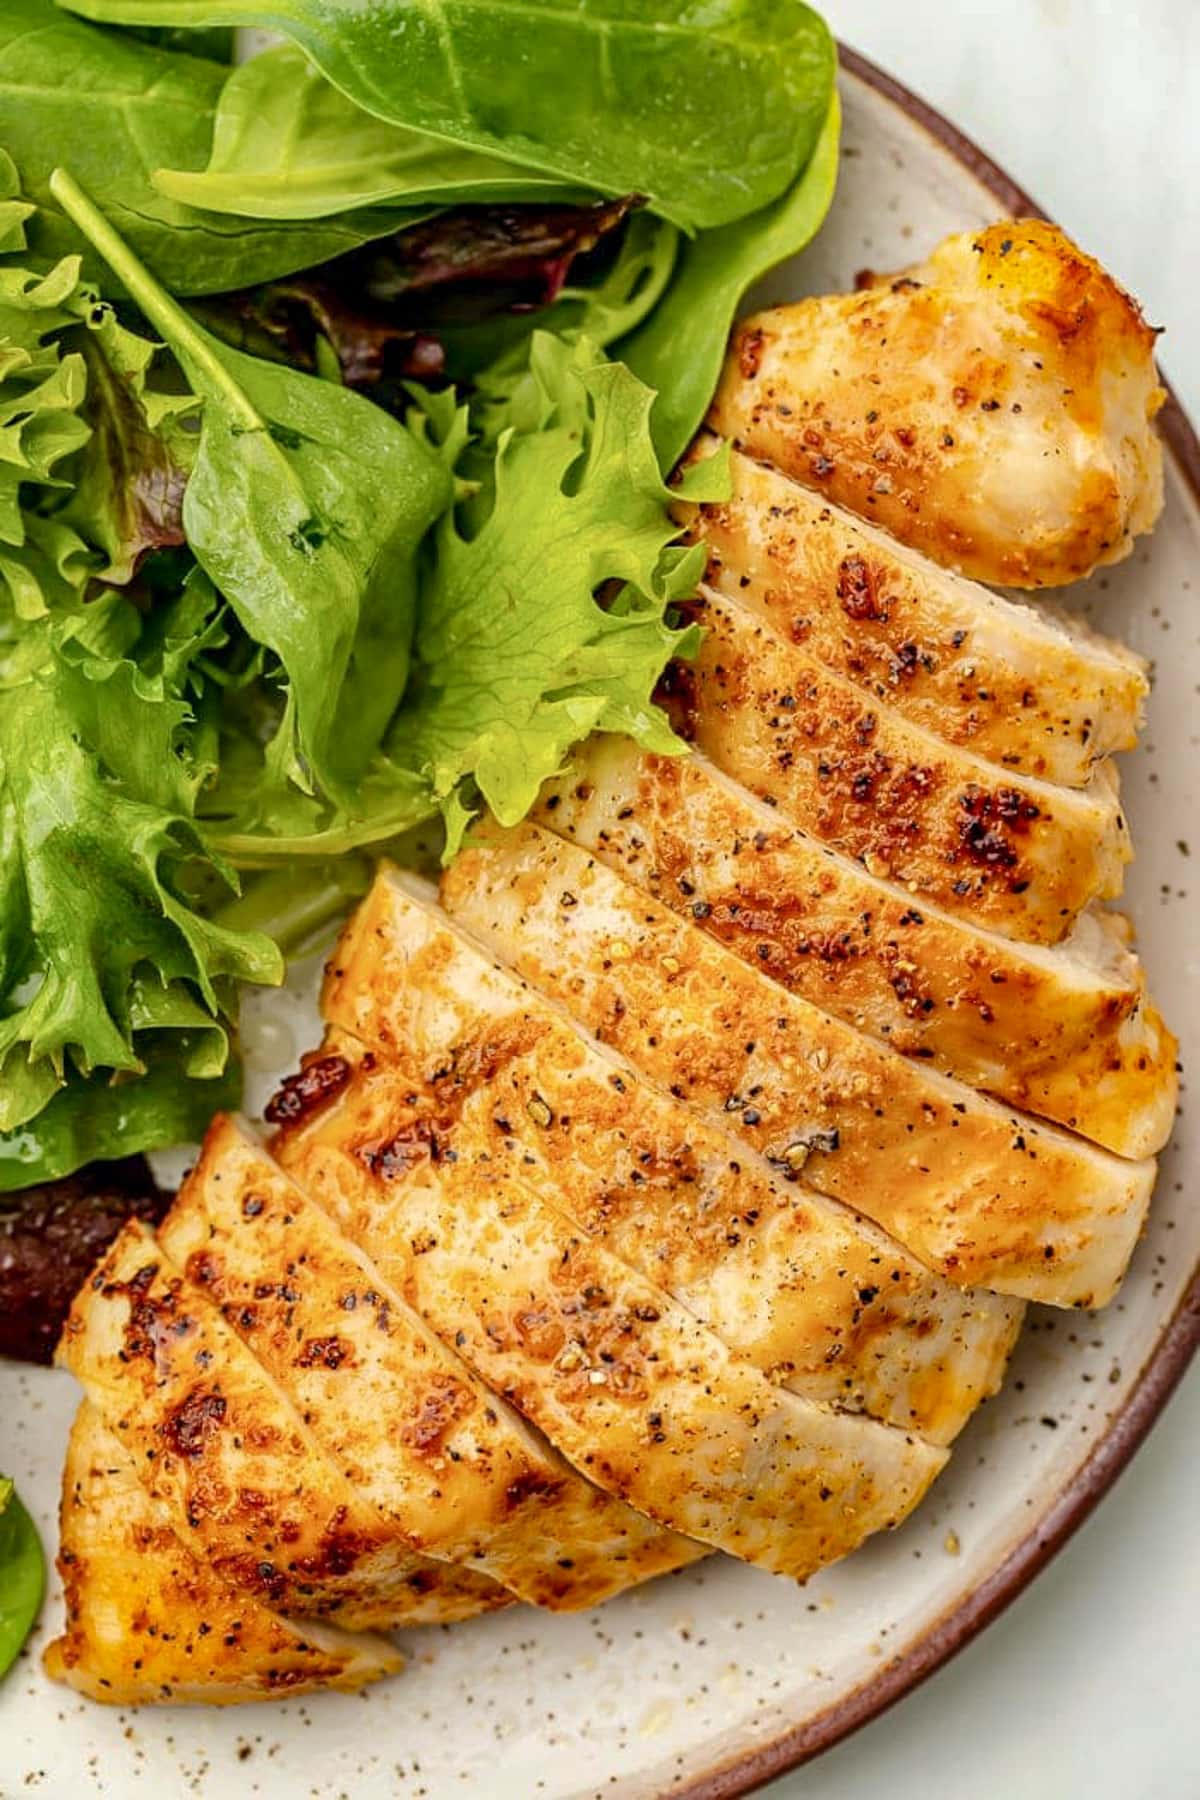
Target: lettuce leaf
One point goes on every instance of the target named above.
(516, 658)
(543, 613)
(100, 944)
(93, 460)
(305, 504)
(102, 1118)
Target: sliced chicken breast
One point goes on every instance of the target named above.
(243, 1479)
(635, 1392)
(988, 1196)
(1066, 1033)
(149, 1622)
(815, 1296)
(992, 407)
(457, 1472)
(1012, 853)
(1029, 689)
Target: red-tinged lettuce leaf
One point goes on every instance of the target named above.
(94, 460)
(378, 316)
(305, 506)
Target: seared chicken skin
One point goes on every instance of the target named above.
(222, 1449)
(1028, 690)
(148, 1621)
(816, 1297)
(456, 1471)
(633, 1389)
(1017, 855)
(991, 407)
(988, 1196)
(1066, 1033)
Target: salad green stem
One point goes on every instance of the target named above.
(253, 849)
(294, 906)
(165, 314)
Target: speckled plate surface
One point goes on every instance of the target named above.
(709, 1682)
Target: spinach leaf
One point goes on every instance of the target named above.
(709, 111)
(22, 1575)
(305, 506)
(116, 110)
(287, 144)
(679, 348)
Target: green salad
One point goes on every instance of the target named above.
(338, 392)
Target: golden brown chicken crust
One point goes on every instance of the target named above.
(240, 1473)
(457, 1472)
(1067, 1034)
(632, 1389)
(1010, 853)
(992, 407)
(1029, 692)
(990, 1197)
(812, 1294)
(148, 1622)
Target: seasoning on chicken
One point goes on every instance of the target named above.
(241, 1474)
(1007, 851)
(640, 1201)
(1028, 687)
(1066, 1033)
(632, 1388)
(992, 407)
(988, 1196)
(819, 1299)
(456, 1471)
(148, 1621)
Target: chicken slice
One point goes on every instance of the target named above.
(1066, 1033)
(244, 1482)
(1007, 851)
(457, 1472)
(1024, 688)
(816, 1297)
(148, 1621)
(989, 1197)
(635, 1392)
(992, 407)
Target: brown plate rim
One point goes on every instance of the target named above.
(748, 1770)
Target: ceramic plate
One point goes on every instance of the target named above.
(710, 1681)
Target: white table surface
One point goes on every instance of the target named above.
(1090, 1684)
